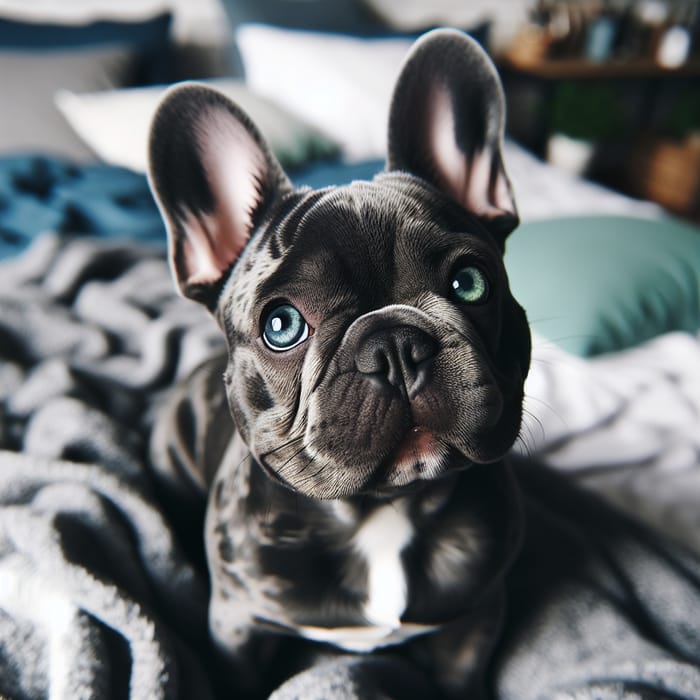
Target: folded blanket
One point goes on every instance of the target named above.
(599, 606)
(103, 590)
(97, 598)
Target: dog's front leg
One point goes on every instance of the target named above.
(460, 651)
(191, 434)
(253, 663)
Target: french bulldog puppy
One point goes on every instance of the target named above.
(361, 507)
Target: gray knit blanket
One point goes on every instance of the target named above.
(103, 588)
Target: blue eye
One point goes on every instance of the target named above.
(469, 285)
(284, 328)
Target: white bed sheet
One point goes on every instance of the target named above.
(545, 191)
(626, 424)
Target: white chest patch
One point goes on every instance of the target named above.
(380, 540)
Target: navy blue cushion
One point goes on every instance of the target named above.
(40, 194)
(350, 17)
(149, 38)
(340, 16)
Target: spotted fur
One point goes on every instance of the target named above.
(362, 500)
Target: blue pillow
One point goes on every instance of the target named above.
(150, 39)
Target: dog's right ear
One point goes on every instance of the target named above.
(213, 177)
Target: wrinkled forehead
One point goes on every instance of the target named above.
(355, 239)
(375, 220)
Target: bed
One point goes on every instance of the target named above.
(103, 588)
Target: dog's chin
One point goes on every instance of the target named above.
(421, 457)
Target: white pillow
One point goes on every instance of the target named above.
(115, 124)
(341, 84)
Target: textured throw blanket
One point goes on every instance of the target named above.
(97, 598)
(103, 590)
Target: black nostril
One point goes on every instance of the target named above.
(381, 360)
(373, 357)
(397, 357)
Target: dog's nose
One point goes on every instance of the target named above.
(398, 357)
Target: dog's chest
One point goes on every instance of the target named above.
(377, 547)
(380, 540)
(355, 577)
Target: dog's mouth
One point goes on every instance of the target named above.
(420, 456)
(421, 450)
(420, 442)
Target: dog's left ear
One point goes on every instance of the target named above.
(446, 125)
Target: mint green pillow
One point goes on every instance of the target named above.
(605, 283)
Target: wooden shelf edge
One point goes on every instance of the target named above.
(583, 69)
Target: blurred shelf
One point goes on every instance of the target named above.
(583, 69)
(640, 162)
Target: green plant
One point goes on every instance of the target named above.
(684, 116)
(586, 111)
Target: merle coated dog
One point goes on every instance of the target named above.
(362, 506)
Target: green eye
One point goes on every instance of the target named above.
(469, 285)
(284, 328)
